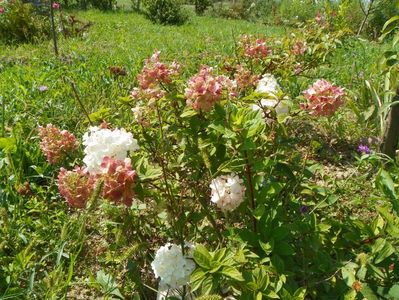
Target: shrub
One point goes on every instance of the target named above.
(103, 4)
(299, 10)
(201, 6)
(241, 9)
(165, 12)
(19, 22)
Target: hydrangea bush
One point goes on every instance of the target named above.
(216, 169)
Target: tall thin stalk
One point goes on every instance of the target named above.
(53, 31)
(248, 172)
(77, 98)
(3, 117)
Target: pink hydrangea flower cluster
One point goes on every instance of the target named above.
(153, 74)
(244, 78)
(256, 49)
(56, 5)
(56, 143)
(323, 98)
(204, 90)
(119, 180)
(299, 48)
(2, 10)
(76, 186)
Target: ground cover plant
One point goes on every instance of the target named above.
(218, 159)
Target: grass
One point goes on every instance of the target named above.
(126, 39)
(115, 39)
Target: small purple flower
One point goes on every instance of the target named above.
(304, 209)
(363, 149)
(43, 88)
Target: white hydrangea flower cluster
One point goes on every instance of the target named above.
(172, 267)
(101, 142)
(268, 84)
(227, 191)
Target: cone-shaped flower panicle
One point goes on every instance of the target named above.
(323, 98)
(76, 186)
(254, 48)
(119, 178)
(102, 142)
(155, 71)
(228, 191)
(153, 75)
(55, 143)
(244, 78)
(299, 48)
(172, 266)
(204, 90)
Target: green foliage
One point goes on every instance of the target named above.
(165, 12)
(299, 10)
(103, 4)
(20, 22)
(201, 6)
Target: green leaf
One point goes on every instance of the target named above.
(283, 248)
(207, 285)
(394, 291)
(278, 263)
(188, 112)
(219, 254)
(232, 272)
(272, 295)
(267, 247)
(348, 274)
(99, 115)
(367, 292)
(383, 250)
(196, 279)
(8, 144)
(389, 26)
(202, 257)
(108, 284)
(385, 182)
(300, 293)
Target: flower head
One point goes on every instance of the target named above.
(323, 98)
(76, 186)
(244, 78)
(56, 5)
(152, 76)
(304, 209)
(102, 142)
(119, 178)
(268, 84)
(43, 88)
(299, 48)
(227, 191)
(204, 90)
(364, 149)
(56, 143)
(2, 10)
(172, 266)
(255, 49)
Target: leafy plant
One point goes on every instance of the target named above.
(165, 12)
